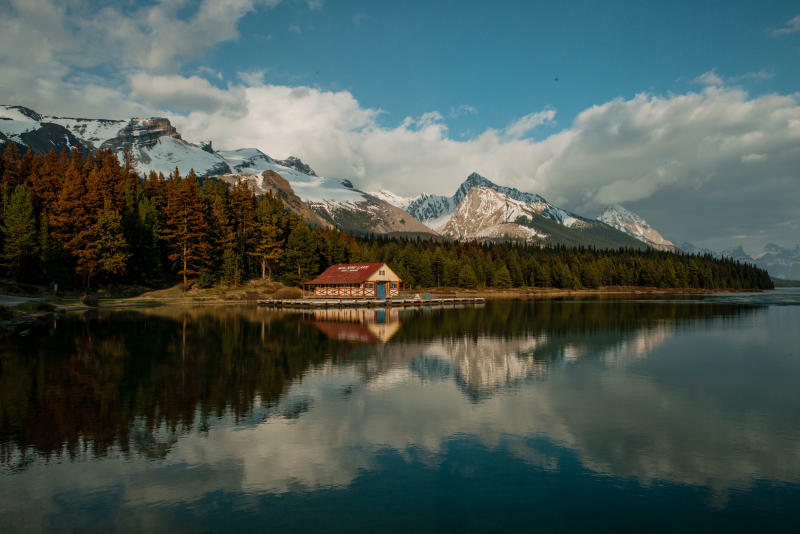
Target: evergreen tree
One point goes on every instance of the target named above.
(19, 233)
(267, 245)
(109, 245)
(502, 278)
(467, 277)
(185, 227)
(301, 251)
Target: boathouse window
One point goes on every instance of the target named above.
(382, 273)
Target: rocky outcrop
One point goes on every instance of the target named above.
(52, 137)
(141, 133)
(295, 163)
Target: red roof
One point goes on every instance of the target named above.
(347, 273)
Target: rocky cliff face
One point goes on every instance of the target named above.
(296, 164)
(141, 133)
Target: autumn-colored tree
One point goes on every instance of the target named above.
(185, 227)
(11, 163)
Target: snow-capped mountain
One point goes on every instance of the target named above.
(780, 262)
(738, 254)
(481, 209)
(436, 209)
(157, 146)
(485, 213)
(632, 224)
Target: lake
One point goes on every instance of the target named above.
(602, 415)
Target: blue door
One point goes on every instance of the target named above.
(382, 290)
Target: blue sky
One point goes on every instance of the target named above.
(502, 58)
(685, 112)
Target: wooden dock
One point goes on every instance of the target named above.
(368, 303)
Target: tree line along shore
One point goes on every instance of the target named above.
(87, 221)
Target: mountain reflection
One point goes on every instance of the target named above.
(304, 401)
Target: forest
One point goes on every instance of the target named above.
(90, 220)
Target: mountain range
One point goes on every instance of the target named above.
(479, 209)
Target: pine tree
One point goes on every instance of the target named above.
(467, 277)
(438, 265)
(19, 232)
(145, 244)
(502, 278)
(301, 251)
(185, 227)
(109, 245)
(267, 245)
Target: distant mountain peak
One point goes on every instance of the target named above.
(624, 220)
(297, 164)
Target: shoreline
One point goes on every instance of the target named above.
(23, 320)
(536, 293)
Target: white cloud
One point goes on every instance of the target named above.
(64, 42)
(462, 110)
(791, 26)
(527, 123)
(762, 74)
(709, 78)
(184, 94)
(252, 78)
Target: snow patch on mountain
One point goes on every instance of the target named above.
(393, 199)
(632, 224)
(95, 131)
(170, 152)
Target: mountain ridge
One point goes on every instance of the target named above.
(634, 225)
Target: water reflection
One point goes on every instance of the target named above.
(247, 401)
(362, 325)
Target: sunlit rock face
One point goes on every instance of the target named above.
(632, 224)
(141, 133)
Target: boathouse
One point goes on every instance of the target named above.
(355, 280)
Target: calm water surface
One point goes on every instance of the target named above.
(579, 415)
